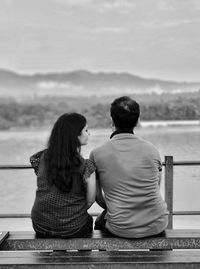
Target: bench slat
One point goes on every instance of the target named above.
(94, 259)
(183, 233)
(174, 239)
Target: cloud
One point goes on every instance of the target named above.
(73, 2)
(169, 23)
(174, 23)
(191, 5)
(117, 4)
(109, 30)
(102, 6)
(8, 2)
(107, 4)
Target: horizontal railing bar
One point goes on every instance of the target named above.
(25, 215)
(173, 163)
(186, 213)
(8, 216)
(186, 163)
(8, 167)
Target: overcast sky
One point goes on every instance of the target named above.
(150, 38)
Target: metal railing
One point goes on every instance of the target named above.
(169, 187)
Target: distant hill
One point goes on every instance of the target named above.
(84, 83)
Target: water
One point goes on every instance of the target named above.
(17, 187)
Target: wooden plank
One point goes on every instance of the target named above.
(95, 259)
(173, 239)
(183, 233)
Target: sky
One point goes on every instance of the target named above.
(149, 38)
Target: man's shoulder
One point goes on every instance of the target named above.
(144, 141)
(101, 148)
(147, 144)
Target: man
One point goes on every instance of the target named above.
(128, 178)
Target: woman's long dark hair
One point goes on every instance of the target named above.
(62, 157)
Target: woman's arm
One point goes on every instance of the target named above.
(100, 196)
(35, 161)
(91, 189)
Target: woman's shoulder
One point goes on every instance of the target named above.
(35, 160)
(89, 168)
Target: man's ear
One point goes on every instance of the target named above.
(112, 125)
(138, 122)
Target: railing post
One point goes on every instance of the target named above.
(169, 173)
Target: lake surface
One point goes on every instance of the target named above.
(17, 187)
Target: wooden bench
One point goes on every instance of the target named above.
(173, 239)
(100, 260)
(24, 250)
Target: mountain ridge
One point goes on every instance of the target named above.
(86, 83)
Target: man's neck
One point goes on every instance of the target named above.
(122, 131)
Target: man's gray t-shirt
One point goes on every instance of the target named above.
(128, 169)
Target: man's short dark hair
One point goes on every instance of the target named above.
(125, 112)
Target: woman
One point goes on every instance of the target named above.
(66, 185)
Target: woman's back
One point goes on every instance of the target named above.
(66, 185)
(56, 210)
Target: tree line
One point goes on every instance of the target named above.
(44, 112)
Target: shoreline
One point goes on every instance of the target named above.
(141, 125)
(167, 123)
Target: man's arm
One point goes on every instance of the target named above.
(159, 177)
(159, 170)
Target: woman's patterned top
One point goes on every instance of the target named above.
(59, 211)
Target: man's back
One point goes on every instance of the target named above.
(128, 170)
